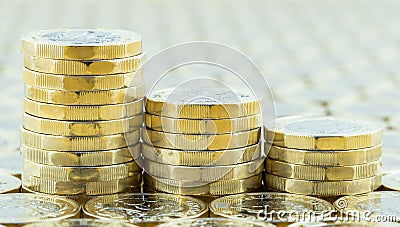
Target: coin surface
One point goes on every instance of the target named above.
(145, 207)
(392, 180)
(9, 183)
(323, 133)
(202, 103)
(259, 206)
(24, 208)
(216, 222)
(323, 158)
(81, 222)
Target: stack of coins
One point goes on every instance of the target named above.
(202, 142)
(323, 156)
(83, 111)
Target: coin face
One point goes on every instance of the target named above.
(82, 222)
(144, 208)
(215, 222)
(9, 183)
(23, 208)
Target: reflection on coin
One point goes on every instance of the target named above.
(216, 222)
(9, 183)
(392, 180)
(81, 222)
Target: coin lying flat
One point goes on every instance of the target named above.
(83, 113)
(201, 158)
(9, 184)
(323, 173)
(24, 208)
(81, 222)
(216, 222)
(63, 143)
(323, 133)
(392, 180)
(202, 104)
(323, 158)
(80, 83)
(201, 142)
(257, 206)
(81, 128)
(145, 208)
(345, 224)
(323, 188)
(64, 97)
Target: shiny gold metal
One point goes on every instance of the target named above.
(323, 188)
(201, 142)
(323, 133)
(202, 126)
(80, 158)
(323, 173)
(82, 44)
(222, 187)
(323, 158)
(201, 158)
(82, 83)
(392, 180)
(64, 97)
(82, 222)
(63, 143)
(202, 104)
(9, 184)
(83, 113)
(84, 67)
(81, 128)
(214, 222)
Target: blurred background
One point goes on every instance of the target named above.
(328, 57)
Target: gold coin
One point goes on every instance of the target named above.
(202, 126)
(201, 142)
(82, 44)
(216, 222)
(24, 208)
(77, 188)
(323, 188)
(203, 173)
(82, 83)
(221, 187)
(392, 180)
(145, 208)
(9, 184)
(202, 104)
(259, 206)
(86, 174)
(80, 158)
(201, 158)
(83, 113)
(81, 222)
(84, 67)
(64, 97)
(323, 158)
(323, 173)
(81, 128)
(63, 143)
(323, 133)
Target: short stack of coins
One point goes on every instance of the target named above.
(323, 156)
(202, 142)
(83, 111)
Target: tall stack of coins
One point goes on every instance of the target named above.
(202, 142)
(323, 156)
(83, 110)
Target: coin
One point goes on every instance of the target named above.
(264, 206)
(81, 128)
(11, 163)
(63, 143)
(9, 183)
(323, 158)
(82, 83)
(82, 44)
(81, 222)
(392, 180)
(323, 188)
(201, 142)
(201, 158)
(24, 208)
(323, 173)
(83, 113)
(323, 133)
(202, 126)
(204, 103)
(344, 224)
(142, 208)
(221, 187)
(84, 67)
(65, 97)
(215, 222)
(80, 158)
(76, 188)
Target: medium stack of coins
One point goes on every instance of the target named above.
(323, 156)
(202, 142)
(83, 111)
